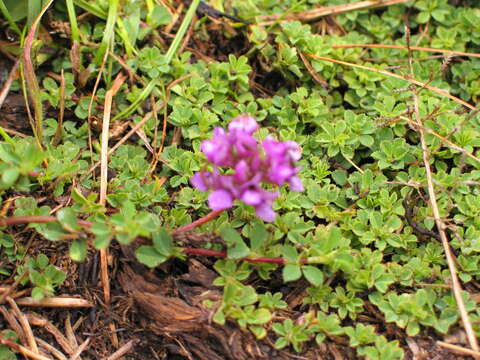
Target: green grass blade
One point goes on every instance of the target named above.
(182, 30)
(92, 8)
(6, 13)
(73, 20)
(6, 137)
(141, 98)
(109, 34)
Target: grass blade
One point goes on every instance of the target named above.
(182, 30)
(6, 13)
(31, 78)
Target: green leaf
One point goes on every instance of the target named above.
(162, 242)
(103, 235)
(260, 316)
(78, 250)
(11, 175)
(42, 261)
(258, 235)
(236, 246)
(291, 272)
(37, 293)
(67, 217)
(313, 274)
(290, 253)
(149, 256)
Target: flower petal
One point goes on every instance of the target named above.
(252, 197)
(296, 184)
(198, 181)
(243, 123)
(241, 171)
(219, 200)
(265, 212)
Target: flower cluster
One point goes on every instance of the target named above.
(252, 163)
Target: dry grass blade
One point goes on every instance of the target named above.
(52, 329)
(58, 132)
(31, 78)
(124, 138)
(8, 82)
(55, 302)
(406, 78)
(54, 351)
(80, 349)
(457, 289)
(23, 320)
(459, 349)
(122, 351)
(22, 350)
(13, 323)
(445, 140)
(103, 176)
(315, 14)
(321, 81)
(402, 47)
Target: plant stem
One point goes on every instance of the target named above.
(198, 222)
(18, 220)
(223, 254)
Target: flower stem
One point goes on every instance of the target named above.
(223, 254)
(212, 215)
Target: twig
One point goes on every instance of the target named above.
(80, 349)
(315, 14)
(54, 351)
(402, 47)
(12, 287)
(18, 220)
(132, 131)
(122, 351)
(8, 82)
(27, 330)
(69, 332)
(457, 289)
(416, 226)
(406, 78)
(37, 320)
(22, 349)
(320, 80)
(54, 302)
(445, 140)
(459, 349)
(13, 323)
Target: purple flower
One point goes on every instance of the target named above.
(271, 162)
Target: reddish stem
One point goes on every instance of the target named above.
(198, 222)
(223, 254)
(17, 220)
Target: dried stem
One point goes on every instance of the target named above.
(457, 288)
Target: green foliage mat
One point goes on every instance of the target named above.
(359, 247)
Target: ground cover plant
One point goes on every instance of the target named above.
(239, 180)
